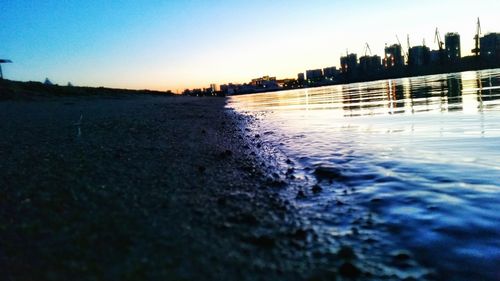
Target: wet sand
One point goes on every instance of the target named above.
(142, 187)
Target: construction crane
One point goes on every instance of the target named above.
(477, 50)
(3, 61)
(367, 48)
(405, 54)
(399, 42)
(437, 38)
(408, 50)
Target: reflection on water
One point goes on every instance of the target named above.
(426, 147)
(402, 96)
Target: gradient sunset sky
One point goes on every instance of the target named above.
(185, 44)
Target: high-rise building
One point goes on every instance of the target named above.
(452, 45)
(314, 75)
(393, 56)
(370, 64)
(330, 72)
(490, 46)
(419, 56)
(349, 63)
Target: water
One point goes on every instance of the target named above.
(420, 156)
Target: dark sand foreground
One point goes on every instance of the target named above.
(138, 187)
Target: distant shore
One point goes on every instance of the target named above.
(400, 73)
(15, 90)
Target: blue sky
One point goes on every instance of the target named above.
(177, 44)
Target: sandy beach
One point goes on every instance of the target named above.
(138, 187)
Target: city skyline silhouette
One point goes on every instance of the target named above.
(193, 44)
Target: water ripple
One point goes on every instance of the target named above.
(409, 163)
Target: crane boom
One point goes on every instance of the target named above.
(408, 50)
(367, 48)
(437, 38)
(477, 48)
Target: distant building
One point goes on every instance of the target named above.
(490, 46)
(314, 75)
(263, 81)
(419, 56)
(349, 63)
(370, 64)
(301, 78)
(287, 83)
(330, 72)
(214, 88)
(229, 89)
(393, 56)
(452, 44)
(435, 56)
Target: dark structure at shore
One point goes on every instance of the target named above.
(3, 61)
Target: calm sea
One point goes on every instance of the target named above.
(418, 156)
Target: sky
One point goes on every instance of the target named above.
(174, 45)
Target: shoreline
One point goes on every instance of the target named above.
(152, 188)
(158, 187)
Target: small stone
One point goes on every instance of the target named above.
(247, 219)
(401, 259)
(401, 256)
(201, 169)
(276, 183)
(349, 270)
(316, 189)
(222, 201)
(346, 253)
(324, 276)
(300, 234)
(354, 231)
(301, 194)
(262, 241)
(328, 173)
(226, 153)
